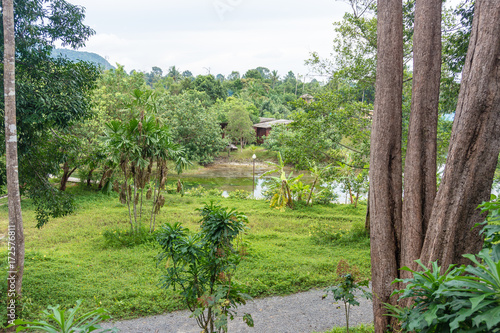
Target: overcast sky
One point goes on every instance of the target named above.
(211, 35)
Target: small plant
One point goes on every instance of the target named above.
(345, 290)
(203, 265)
(65, 321)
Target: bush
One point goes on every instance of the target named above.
(462, 299)
(202, 266)
(325, 196)
(240, 194)
(198, 191)
(118, 238)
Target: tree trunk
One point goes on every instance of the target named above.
(66, 174)
(420, 164)
(474, 147)
(89, 177)
(385, 158)
(104, 177)
(15, 232)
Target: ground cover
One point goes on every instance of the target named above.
(68, 259)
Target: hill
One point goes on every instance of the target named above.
(82, 56)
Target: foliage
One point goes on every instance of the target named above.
(345, 290)
(239, 126)
(66, 321)
(458, 299)
(51, 93)
(240, 194)
(279, 187)
(203, 265)
(209, 85)
(325, 196)
(194, 125)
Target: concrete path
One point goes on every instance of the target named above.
(298, 313)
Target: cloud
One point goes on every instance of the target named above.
(192, 35)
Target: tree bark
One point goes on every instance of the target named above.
(420, 164)
(385, 158)
(474, 148)
(15, 231)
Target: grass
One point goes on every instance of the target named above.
(67, 259)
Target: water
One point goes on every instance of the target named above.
(232, 177)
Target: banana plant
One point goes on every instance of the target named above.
(282, 196)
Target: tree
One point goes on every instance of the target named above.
(16, 231)
(472, 155)
(194, 125)
(52, 93)
(239, 125)
(211, 86)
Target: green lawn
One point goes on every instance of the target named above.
(67, 259)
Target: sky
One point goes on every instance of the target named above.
(212, 36)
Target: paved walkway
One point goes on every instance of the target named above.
(298, 313)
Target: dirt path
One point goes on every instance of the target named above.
(298, 313)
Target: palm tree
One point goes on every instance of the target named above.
(274, 77)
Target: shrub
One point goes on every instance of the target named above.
(203, 265)
(198, 191)
(240, 194)
(325, 196)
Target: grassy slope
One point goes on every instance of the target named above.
(67, 259)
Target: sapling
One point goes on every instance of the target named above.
(202, 266)
(345, 292)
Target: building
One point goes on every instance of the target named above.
(263, 128)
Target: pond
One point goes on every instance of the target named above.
(231, 177)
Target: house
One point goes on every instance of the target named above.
(263, 128)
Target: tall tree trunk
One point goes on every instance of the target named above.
(385, 158)
(420, 164)
(474, 148)
(15, 231)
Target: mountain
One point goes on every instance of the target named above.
(82, 56)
